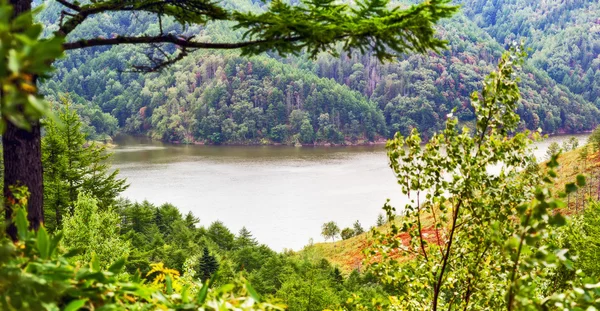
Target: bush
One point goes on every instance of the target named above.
(347, 233)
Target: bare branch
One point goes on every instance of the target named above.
(160, 64)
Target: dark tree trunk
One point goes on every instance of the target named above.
(23, 159)
(23, 167)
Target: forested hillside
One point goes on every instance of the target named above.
(564, 36)
(220, 97)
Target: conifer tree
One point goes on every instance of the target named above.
(208, 265)
(56, 189)
(245, 238)
(380, 220)
(191, 221)
(358, 229)
(73, 165)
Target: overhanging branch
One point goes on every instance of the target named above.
(168, 38)
(69, 5)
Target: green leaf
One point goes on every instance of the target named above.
(558, 220)
(13, 62)
(95, 263)
(43, 243)
(169, 283)
(50, 306)
(570, 188)
(89, 276)
(38, 104)
(252, 292)
(185, 293)
(73, 252)
(213, 278)
(54, 243)
(75, 305)
(580, 180)
(22, 224)
(202, 294)
(117, 266)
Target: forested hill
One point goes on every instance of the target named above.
(220, 97)
(564, 36)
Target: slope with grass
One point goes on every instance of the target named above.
(349, 254)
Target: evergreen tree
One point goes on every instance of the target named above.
(245, 238)
(380, 220)
(221, 235)
(337, 275)
(208, 265)
(73, 165)
(56, 189)
(191, 221)
(358, 229)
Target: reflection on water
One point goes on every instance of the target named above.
(282, 194)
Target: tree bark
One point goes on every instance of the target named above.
(23, 159)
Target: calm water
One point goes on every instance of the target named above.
(281, 194)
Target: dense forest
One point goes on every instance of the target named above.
(221, 97)
(564, 37)
(522, 237)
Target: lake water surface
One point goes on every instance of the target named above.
(281, 194)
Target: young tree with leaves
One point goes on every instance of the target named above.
(570, 144)
(553, 149)
(483, 245)
(314, 26)
(94, 232)
(330, 230)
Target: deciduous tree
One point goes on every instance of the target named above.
(330, 230)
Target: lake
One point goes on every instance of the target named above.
(281, 194)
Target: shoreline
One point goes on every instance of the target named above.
(380, 141)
